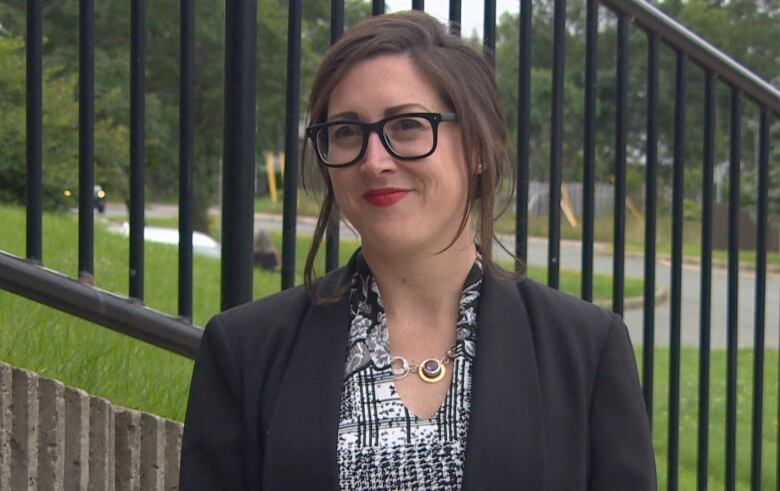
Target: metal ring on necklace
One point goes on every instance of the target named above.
(429, 371)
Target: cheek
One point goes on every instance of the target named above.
(340, 182)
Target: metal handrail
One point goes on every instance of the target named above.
(699, 50)
(28, 279)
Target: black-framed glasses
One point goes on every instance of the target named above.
(406, 136)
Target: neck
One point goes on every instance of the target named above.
(423, 284)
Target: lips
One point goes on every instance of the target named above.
(384, 197)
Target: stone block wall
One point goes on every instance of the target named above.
(55, 437)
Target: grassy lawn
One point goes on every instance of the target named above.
(689, 387)
(120, 369)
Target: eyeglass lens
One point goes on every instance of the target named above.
(407, 136)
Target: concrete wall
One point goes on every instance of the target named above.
(54, 437)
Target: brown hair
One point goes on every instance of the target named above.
(465, 82)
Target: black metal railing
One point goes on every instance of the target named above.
(28, 278)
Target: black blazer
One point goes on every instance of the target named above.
(556, 398)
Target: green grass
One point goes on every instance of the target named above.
(122, 370)
(688, 428)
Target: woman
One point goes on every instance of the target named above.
(420, 365)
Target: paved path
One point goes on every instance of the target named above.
(634, 267)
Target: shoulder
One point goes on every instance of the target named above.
(560, 308)
(268, 326)
(266, 314)
(566, 328)
(250, 333)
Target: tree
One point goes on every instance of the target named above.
(60, 134)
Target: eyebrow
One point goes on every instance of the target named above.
(390, 111)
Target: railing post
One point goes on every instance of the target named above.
(186, 144)
(455, 17)
(651, 171)
(137, 137)
(333, 230)
(621, 138)
(239, 152)
(732, 320)
(34, 130)
(676, 279)
(523, 135)
(758, 333)
(589, 148)
(86, 140)
(705, 295)
(291, 143)
(489, 31)
(556, 145)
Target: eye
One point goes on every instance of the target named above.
(407, 124)
(344, 132)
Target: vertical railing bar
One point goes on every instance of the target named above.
(621, 134)
(673, 448)
(758, 337)
(377, 7)
(455, 17)
(418, 5)
(333, 230)
(186, 145)
(705, 297)
(34, 96)
(292, 117)
(556, 142)
(238, 175)
(336, 20)
(489, 31)
(86, 140)
(733, 289)
(523, 135)
(137, 136)
(651, 171)
(589, 147)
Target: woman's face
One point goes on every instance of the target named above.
(399, 206)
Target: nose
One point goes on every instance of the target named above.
(377, 159)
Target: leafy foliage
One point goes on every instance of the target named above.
(60, 133)
(743, 28)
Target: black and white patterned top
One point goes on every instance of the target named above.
(381, 445)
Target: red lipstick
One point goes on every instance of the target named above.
(383, 197)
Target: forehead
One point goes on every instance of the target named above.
(373, 85)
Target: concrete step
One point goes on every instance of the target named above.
(56, 437)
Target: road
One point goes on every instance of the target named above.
(634, 267)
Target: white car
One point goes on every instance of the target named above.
(201, 243)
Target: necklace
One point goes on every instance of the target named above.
(430, 371)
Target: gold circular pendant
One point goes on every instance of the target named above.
(431, 370)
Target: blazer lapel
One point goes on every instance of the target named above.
(302, 437)
(505, 443)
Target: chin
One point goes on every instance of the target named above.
(405, 244)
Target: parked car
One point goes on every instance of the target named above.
(98, 200)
